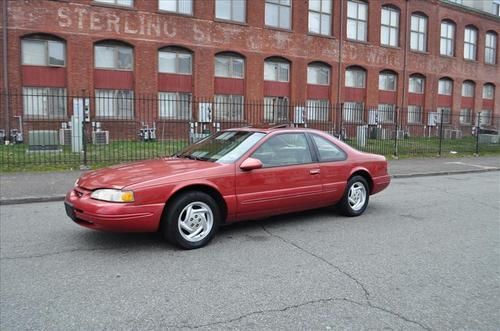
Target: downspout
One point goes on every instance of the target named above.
(405, 73)
(5, 63)
(339, 74)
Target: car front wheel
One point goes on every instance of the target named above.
(356, 196)
(191, 220)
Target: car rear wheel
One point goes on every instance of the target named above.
(191, 220)
(356, 196)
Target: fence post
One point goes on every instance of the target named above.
(477, 132)
(396, 118)
(341, 133)
(84, 138)
(440, 131)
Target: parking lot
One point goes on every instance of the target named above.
(425, 255)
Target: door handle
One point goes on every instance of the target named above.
(314, 172)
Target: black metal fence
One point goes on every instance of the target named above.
(47, 126)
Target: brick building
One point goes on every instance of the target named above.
(410, 55)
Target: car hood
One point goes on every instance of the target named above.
(123, 175)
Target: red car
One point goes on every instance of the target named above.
(234, 175)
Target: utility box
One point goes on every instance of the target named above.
(43, 140)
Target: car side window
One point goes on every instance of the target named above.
(284, 149)
(328, 151)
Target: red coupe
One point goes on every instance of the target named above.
(234, 175)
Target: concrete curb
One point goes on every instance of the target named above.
(25, 200)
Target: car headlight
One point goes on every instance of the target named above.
(113, 195)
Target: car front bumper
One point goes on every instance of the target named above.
(111, 216)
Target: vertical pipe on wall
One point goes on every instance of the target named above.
(339, 74)
(405, 55)
(5, 63)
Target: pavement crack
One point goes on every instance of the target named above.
(21, 257)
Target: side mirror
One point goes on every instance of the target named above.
(251, 164)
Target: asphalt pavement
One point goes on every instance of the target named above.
(28, 187)
(425, 255)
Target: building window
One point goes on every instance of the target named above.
(445, 86)
(44, 102)
(277, 70)
(229, 66)
(229, 107)
(445, 113)
(355, 78)
(320, 17)
(489, 91)
(490, 48)
(113, 56)
(357, 20)
(465, 116)
(414, 114)
(43, 52)
(176, 106)
(175, 61)
(385, 113)
(125, 3)
(231, 10)
(279, 13)
(496, 8)
(484, 117)
(468, 89)
(177, 6)
(447, 45)
(275, 109)
(470, 43)
(115, 104)
(353, 112)
(387, 81)
(418, 36)
(389, 28)
(416, 84)
(318, 74)
(317, 110)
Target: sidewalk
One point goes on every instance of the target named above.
(38, 187)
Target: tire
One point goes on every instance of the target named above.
(191, 220)
(356, 196)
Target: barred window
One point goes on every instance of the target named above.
(231, 10)
(175, 106)
(44, 102)
(447, 42)
(317, 110)
(40, 51)
(418, 35)
(385, 113)
(125, 3)
(490, 50)
(175, 60)
(387, 81)
(484, 117)
(468, 89)
(229, 108)
(357, 20)
(489, 91)
(465, 116)
(177, 6)
(113, 55)
(470, 43)
(389, 28)
(445, 113)
(230, 66)
(279, 13)
(353, 112)
(277, 70)
(414, 114)
(417, 84)
(318, 74)
(445, 86)
(275, 109)
(320, 17)
(114, 104)
(355, 77)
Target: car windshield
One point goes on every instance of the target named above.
(223, 147)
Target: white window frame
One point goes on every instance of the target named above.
(418, 33)
(468, 89)
(412, 84)
(386, 113)
(352, 112)
(115, 104)
(484, 117)
(486, 93)
(490, 48)
(45, 102)
(175, 106)
(276, 68)
(324, 13)
(232, 10)
(162, 6)
(282, 7)
(415, 114)
(178, 53)
(470, 43)
(317, 110)
(276, 109)
(123, 3)
(229, 108)
(390, 28)
(384, 81)
(355, 78)
(116, 56)
(447, 38)
(46, 44)
(445, 113)
(232, 60)
(445, 86)
(318, 68)
(465, 116)
(358, 22)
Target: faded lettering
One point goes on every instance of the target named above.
(64, 19)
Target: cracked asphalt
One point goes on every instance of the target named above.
(425, 255)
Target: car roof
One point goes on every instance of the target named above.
(272, 129)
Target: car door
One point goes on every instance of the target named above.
(334, 168)
(288, 181)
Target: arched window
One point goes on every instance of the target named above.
(277, 69)
(490, 48)
(357, 20)
(387, 80)
(445, 86)
(229, 65)
(447, 41)
(389, 26)
(114, 55)
(175, 60)
(416, 84)
(489, 91)
(318, 74)
(470, 43)
(355, 77)
(418, 35)
(43, 50)
(468, 89)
